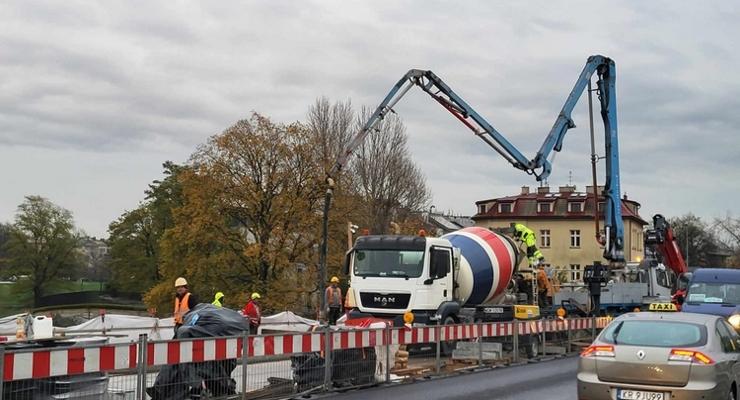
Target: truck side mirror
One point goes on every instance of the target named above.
(347, 259)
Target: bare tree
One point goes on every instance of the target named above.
(387, 178)
(332, 127)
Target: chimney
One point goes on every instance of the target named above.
(543, 190)
(525, 189)
(590, 189)
(625, 196)
(567, 189)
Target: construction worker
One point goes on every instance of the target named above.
(253, 312)
(544, 287)
(526, 236)
(333, 297)
(218, 299)
(184, 301)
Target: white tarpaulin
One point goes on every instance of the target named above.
(286, 321)
(124, 327)
(8, 325)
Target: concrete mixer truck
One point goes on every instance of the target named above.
(464, 276)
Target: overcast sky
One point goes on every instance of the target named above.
(94, 96)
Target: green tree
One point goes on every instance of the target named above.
(249, 216)
(696, 241)
(43, 243)
(135, 235)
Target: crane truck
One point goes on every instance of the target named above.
(662, 276)
(466, 275)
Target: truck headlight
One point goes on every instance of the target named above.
(734, 320)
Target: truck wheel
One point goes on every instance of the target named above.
(448, 346)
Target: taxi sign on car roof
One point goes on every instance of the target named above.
(662, 307)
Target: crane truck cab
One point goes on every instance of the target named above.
(463, 276)
(715, 291)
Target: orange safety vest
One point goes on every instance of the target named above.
(181, 307)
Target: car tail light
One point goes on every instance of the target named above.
(690, 355)
(598, 351)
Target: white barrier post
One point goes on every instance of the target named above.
(437, 331)
(245, 355)
(480, 344)
(2, 370)
(515, 339)
(569, 339)
(387, 334)
(141, 368)
(327, 357)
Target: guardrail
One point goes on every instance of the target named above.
(283, 365)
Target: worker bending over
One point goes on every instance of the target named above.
(526, 236)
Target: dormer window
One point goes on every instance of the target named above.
(481, 209)
(575, 206)
(504, 208)
(544, 207)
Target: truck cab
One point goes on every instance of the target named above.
(715, 291)
(391, 275)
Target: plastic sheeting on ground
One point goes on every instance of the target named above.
(286, 321)
(212, 378)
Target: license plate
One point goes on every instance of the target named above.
(626, 394)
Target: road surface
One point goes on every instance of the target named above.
(546, 380)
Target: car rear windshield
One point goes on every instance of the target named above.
(655, 334)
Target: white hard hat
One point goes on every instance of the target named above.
(180, 282)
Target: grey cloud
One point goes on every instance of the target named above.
(155, 79)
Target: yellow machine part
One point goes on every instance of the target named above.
(526, 312)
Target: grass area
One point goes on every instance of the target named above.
(14, 297)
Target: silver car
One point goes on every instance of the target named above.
(662, 356)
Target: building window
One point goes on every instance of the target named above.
(544, 238)
(575, 272)
(575, 238)
(544, 207)
(504, 208)
(482, 209)
(601, 206)
(575, 206)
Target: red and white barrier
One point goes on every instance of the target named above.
(44, 363)
(69, 361)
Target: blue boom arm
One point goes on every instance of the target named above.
(539, 166)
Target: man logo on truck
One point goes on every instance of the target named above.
(384, 300)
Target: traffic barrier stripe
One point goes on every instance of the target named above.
(71, 361)
(68, 361)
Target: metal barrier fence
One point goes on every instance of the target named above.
(283, 365)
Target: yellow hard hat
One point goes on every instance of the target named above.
(334, 279)
(256, 295)
(180, 282)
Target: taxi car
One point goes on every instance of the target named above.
(661, 356)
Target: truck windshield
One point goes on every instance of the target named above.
(725, 293)
(395, 263)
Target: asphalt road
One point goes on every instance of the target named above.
(545, 380)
